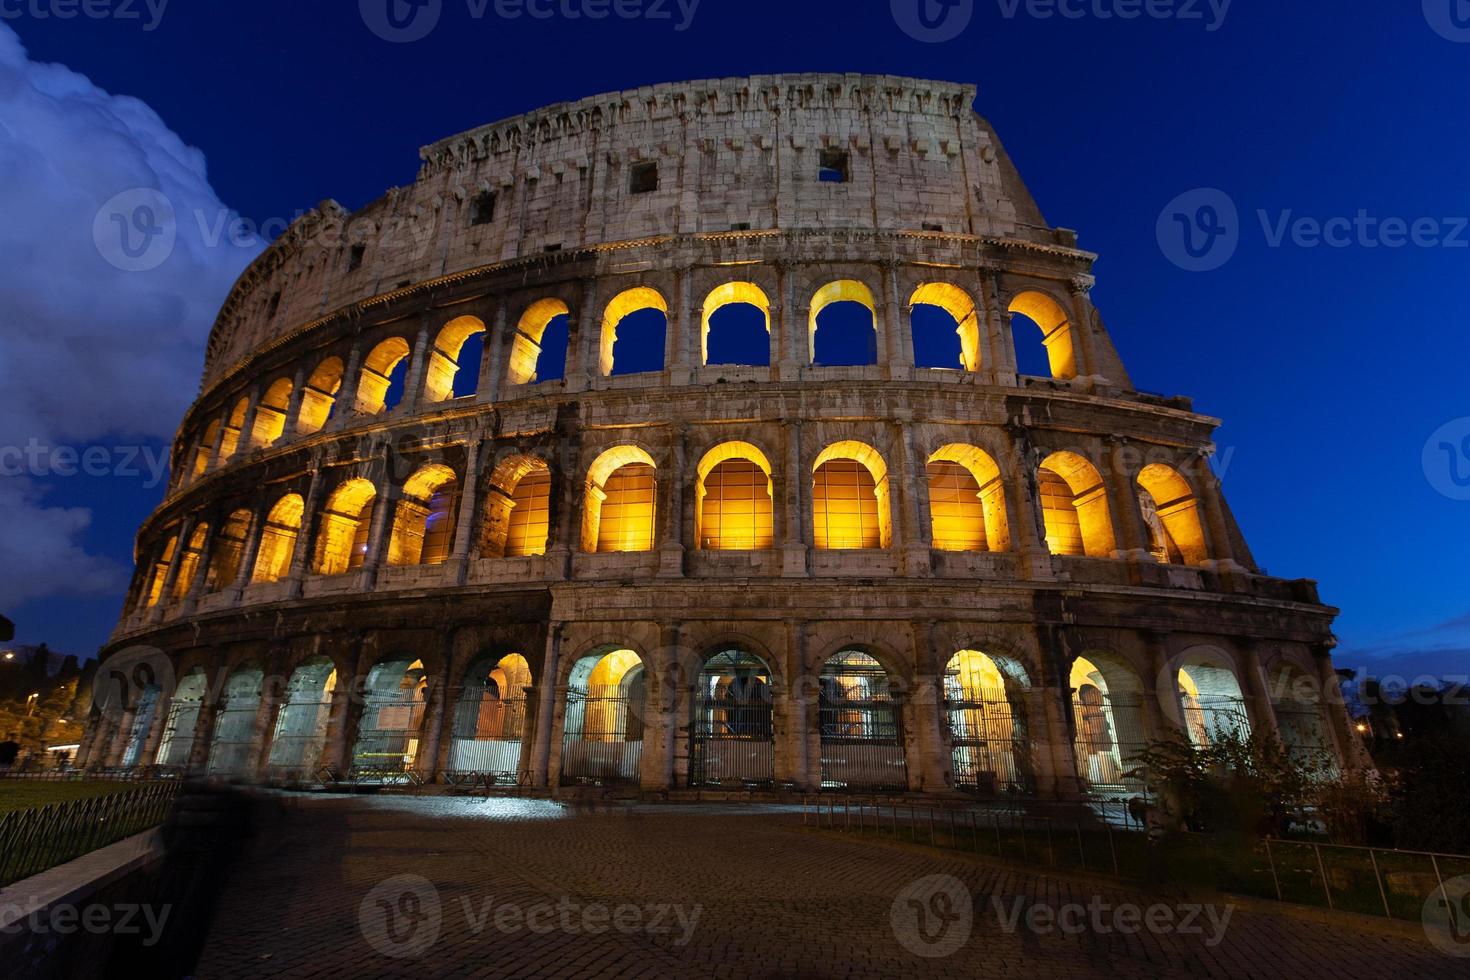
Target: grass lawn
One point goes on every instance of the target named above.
(22, 794)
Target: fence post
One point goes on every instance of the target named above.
(846, 814)
(1322, 870)
(1271, 861)
(1081, 847)
(1439, 878)
(998, 848)
(931, 826)
(1113, 850)
(803, 809)
(1379, 878)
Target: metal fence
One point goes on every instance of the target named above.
(33, 840)
(732, 733)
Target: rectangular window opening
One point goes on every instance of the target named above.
(644, 178)
(482, 209)
(835, 167)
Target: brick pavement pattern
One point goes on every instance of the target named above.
(773, 901)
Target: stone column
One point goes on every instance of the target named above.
(546, 688)
(1350, 749)
(156, 726)
(246, 442)
(913, 475)
(582, 346)
(198, 581)
(249, 554)
(263, 728)
(1131, 539)
(924, 724)
(301, 553)
(492, 359)
(464, 527)
(660, 712)
(293, 404)
(1162, 716)
(671, 530)
(896, 352)
(1023, 510)
(418, 367)
(345, 406)
(426, 763)
(1256, 690)
(678, 353)
(567, 484)
(999, 342)
(1081, 327)
(118, 742)
(342, 718)
(171, 577)
(790, 714)
(203, 742)
(1211, 500)
(383, 507)
(793, 516)
(784, 365)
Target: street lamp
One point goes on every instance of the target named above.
(31, 703)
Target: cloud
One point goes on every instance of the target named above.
(95, 342)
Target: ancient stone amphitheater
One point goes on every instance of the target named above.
(429, 520)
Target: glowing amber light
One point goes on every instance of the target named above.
(1074, 507)
(345, 521)
(278, 539)
(1056, 331)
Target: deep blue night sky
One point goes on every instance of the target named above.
(1331, 366)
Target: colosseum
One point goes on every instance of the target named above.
(754, 434)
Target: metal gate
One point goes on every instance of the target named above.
(732, 736)
(178, 733)
(1109, 739)
(301, 733)
(234, 732)
(1209, 717)
(862, 742)
(142, 723)
(602, 736)
(1304, 734)
(989, 749)
(388, 735)
(489, 725)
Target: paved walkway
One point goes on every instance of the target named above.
(399, 887)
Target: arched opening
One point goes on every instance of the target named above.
(1074, 507)
(270, 414)
(736, 326)
(985, 704)
(189, 561)
(143, 712)
(319, 399)
(967, 501)
(177, 743)
(1210, 701)
(234, 426)
(278, 539)
(944, 327)
(602, 730)
(618, 515)
(229, 546)
(490, 720)
(301, 723)
(346, 522)
(844, 325)
(1297, 698)
(1033, 313)
(384, 371)
(538, 349)
(159, 573)
(733, 506)
(732, 739)
(634, 329)
(517, 518)
(205, 450)
(1171, 514)
(850, 499)
(1107, 710)
(454, 364)
(423, 526)
(232, 755)
(392, 717)
(862, 743)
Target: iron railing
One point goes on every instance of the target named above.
(35, 839)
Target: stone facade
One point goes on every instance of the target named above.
(782, 183)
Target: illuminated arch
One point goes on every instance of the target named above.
(1056, 330)
(190, 559)
(729, 294)
(392, 716)
(858, 719)
(228, 548)
(270, 414)
(985, 706)
(961, 308)
(342, 537)
(840, 291)
(205, 450)
(423, 524)
(159, 573)
(377, 375)
(1210, 698)
(1297, 699)
(732, 736)
(517, 519)
(602, 728)
(620, 500)
(850, 498)
(733, 506)
(232, 753)
(1107, 713)
(1074, 507)
(490, 719)
(278, 539)
(624, 304)
(444, 366)
(301, 724)
(320, 396)
(1171, 513)
(230, 442)
(525, 345)
(177, 743)
(967, 505)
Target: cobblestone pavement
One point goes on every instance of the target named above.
(399, 887)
